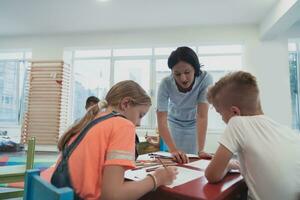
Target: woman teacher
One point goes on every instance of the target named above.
(182, 108)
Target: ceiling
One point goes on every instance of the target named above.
(32, 17)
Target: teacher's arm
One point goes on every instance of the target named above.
(202, 119)
(164, 132)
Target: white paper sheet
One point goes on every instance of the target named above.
(184, 175)
(201, 164)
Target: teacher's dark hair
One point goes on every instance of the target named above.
(187, 55)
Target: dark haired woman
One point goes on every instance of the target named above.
(182, 106)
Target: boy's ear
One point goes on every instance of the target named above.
(235, 110)
(125, 103)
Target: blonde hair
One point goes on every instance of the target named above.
(119, 91)
(236, 89)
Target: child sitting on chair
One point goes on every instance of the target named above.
(106, 150)
(269, 153)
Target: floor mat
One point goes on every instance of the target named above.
(43, 161)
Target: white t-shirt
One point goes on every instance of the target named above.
(269, 154)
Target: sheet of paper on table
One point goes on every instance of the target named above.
(184, 175)
(201, 164)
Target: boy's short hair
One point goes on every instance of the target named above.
(236, 89)
(92, 100)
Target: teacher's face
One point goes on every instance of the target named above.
(183, 74)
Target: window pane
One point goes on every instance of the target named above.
(28, 55)
(11, 55)
(9, 109)
(226, 63)
(91, 77)
(215, 121)
(136, 70)
(220, 49)
(162, 70)
(292, 47)
(92, 53)
(167, 51)
(164, 51)
(132, 52)
(162, 65)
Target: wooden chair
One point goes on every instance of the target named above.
(37, 188)
(16, 173)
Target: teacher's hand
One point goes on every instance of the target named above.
(180, 156)
(204, 155)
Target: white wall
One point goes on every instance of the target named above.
(267, 60)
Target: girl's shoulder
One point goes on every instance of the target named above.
(114, 122)
(120, 121)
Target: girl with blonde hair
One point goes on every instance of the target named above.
(97, 165)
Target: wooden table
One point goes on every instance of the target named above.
(232, 187)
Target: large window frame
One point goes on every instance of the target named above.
(154, 56)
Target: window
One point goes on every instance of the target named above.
(294, 82)
(138, 71)
(92, 78)
(218, 60)
(13, 67)
(96, 70)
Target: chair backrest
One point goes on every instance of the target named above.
(37, 188)
(16, 173)
(30, 153)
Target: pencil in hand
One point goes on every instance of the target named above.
(161, 162)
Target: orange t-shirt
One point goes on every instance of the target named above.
(110, 142)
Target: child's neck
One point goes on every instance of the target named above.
(257, 112)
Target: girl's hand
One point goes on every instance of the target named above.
(165, 176)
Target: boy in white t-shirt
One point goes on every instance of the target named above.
(269, 153)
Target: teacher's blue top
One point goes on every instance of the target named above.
(182, 107)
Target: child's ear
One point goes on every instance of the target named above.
(235, 110)
(124, 103)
